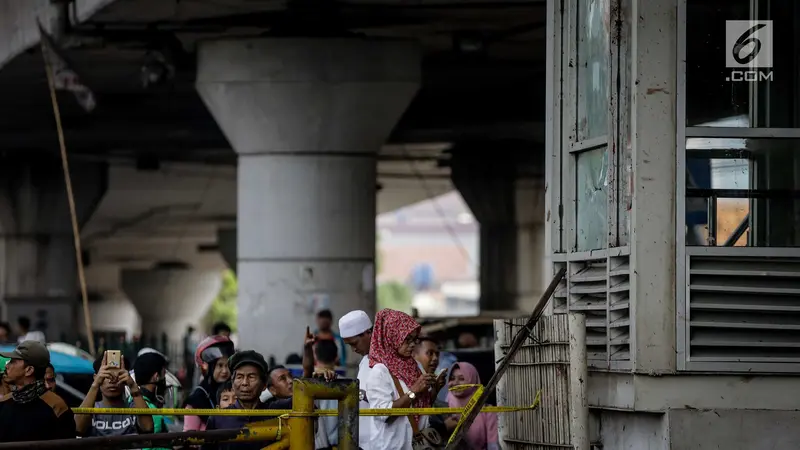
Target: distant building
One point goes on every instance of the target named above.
(433, 245)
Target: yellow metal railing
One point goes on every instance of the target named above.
(288, 429)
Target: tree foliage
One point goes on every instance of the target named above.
(224, 309)
(394, 295)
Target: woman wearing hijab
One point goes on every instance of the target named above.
(396, 381)
(482, 435)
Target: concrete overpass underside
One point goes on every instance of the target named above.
(260, 122)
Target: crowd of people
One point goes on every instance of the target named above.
(399, 368)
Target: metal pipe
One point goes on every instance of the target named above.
(712, 221)
(309, 389)
(301, 436)
(252, 432)
(283, 444)
(738, 232)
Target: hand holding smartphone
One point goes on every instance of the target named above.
(113, 358)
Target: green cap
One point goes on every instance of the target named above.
(3, 362)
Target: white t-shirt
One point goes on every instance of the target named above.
(32, 336)
(366, 428)
(395, 434)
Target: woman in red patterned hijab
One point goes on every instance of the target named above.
(394, 335)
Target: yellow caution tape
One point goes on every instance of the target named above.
(290, 413)
(473, 400)
(468, 408)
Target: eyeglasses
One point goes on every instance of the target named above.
(411, 339)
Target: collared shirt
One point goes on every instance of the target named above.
(395, 434)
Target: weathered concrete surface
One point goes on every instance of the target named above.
(18, 29)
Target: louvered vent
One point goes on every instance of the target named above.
(600, 289)
(619, 308)
(588, 295)
(744, 312)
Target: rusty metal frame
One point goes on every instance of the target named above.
(306, 390)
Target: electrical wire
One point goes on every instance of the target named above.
(433, 198)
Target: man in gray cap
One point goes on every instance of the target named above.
(31, 412)
(355, 328)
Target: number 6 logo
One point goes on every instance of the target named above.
(744, 40)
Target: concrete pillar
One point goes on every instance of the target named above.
(509, 205)
(39, 270)
(169, 300)
(306, 117)
(532, 268)
(112, 312)
(654, 156)
(226, 241)
(109, 307)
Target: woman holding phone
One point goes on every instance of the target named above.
(396, 381)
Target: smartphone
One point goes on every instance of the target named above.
(113, 358)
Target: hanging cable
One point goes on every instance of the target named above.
(433, 197)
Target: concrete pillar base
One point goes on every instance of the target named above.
(169, 300)
(306, 117)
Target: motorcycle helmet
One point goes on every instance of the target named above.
(211, 349)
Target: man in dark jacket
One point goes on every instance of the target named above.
(249, 377)
(31, 412)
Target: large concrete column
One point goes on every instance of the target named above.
(39, 270)
(307, 118)
(226, 241)
(170, 299)
(532, 268)
(508, 202)
(110, 310)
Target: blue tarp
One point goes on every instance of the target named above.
(63, 363)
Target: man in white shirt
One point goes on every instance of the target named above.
(355, 328)
(25, 333)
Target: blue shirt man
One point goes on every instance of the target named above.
(324, 331)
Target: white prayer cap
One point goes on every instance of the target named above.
(354, 323)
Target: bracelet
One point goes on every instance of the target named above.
(136, 393)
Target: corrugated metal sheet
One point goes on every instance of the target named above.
(542, 363)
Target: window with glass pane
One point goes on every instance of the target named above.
(592, 68)
(716, 98)
(742, 192)
(592, 199)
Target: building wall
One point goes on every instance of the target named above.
(733, 429)
(448, 260)
(632, 431)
